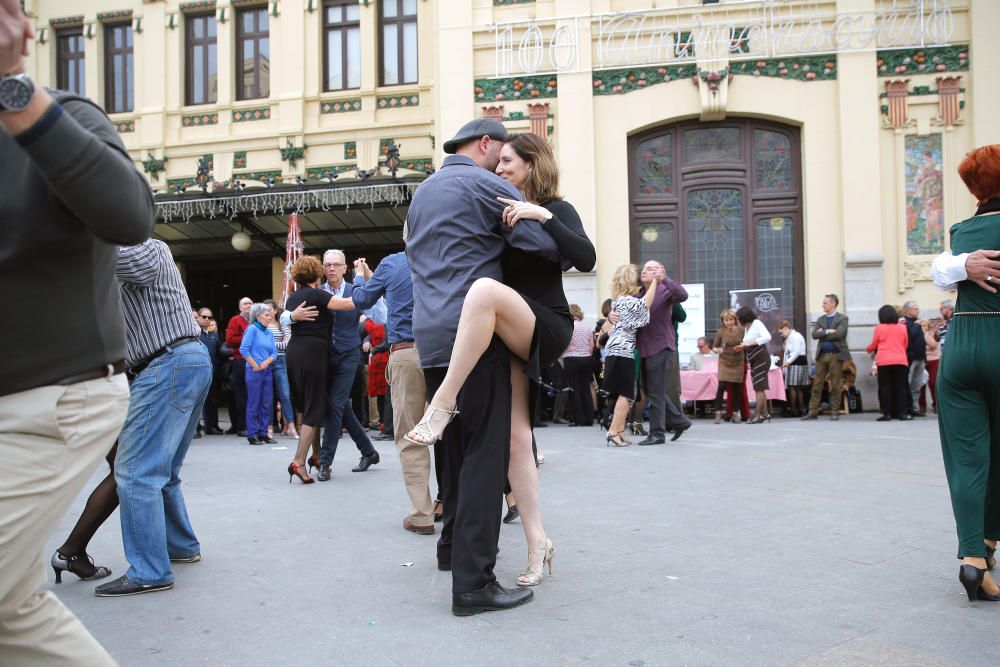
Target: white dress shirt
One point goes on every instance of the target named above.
(948, 270)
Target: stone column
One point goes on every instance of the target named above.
(454, 77)
(984, 93)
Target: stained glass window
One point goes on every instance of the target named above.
(715, 245)
(776, 259)
(717, 144)
(655, 166)
(656, 242)
(772, 160)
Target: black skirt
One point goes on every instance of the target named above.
(619, 377)
(306, 358)
(760, 365)
(553, 331)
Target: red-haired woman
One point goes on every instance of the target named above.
(377, 385)
(968, 386)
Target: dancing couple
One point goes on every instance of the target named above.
(487, 251)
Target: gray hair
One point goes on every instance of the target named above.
(335, 252)
(910, 305)
(947, 303)
(256, 310)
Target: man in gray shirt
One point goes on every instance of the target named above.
(456, 237)
(63, 397)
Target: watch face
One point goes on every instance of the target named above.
(15, 94)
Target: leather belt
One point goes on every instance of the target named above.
(405, 345)
(141, 366)
(105, 371)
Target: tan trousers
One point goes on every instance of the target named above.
(51, 440)
(409, 395)
(827, 364)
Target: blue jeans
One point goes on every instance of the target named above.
(340, 377)
(260, 400)
(164, 405)
(282, 390)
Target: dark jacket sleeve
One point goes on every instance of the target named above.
(84, 162)
(567, 229)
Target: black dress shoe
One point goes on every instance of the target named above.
(123, 586)
(197, 434)
(232, 431)
(267, 440)
(491, 597)
(444, 567)
(884, 418)
(654, 440)
(512, 514)
(242, 434)
(366, 462)
(255, 440)
(213, 430)
(809, 416)
(324, 472)
(918, 414)
(678, 432)
(906, 418)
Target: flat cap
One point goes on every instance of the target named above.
(475, 129)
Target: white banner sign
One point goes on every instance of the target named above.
(693, 328)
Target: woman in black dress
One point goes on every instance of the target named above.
(530, 313)
(306, 356)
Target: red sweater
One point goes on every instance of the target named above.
(890, 340)
(234, 334)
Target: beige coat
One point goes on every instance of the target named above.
(730, 361)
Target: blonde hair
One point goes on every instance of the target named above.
(542, 184)
(576, 311)
(727, 313)
(625, 281)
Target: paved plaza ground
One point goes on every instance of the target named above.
(813, 543)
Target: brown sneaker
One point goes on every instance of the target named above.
(419, 530)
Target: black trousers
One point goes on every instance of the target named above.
(210, 411)
(473, 456)
(894, 390)
(579, 371)
(238, 386)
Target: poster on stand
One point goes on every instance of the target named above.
(693, 328)
(767, 304)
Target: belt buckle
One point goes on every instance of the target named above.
(110, 373)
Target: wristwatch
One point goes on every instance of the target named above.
(16, 91)
(546, 217)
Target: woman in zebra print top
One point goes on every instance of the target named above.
(619, 364)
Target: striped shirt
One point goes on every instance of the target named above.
(632, 314)
(580, 343)
(282, 334)
(155, 304)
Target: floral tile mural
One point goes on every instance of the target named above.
(924, 195)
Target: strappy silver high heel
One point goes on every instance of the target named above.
(532, 577)
(424, 433)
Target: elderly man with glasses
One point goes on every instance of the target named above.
(210, 339)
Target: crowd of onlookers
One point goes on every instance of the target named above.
(272, 406)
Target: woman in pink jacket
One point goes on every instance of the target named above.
(889, 344)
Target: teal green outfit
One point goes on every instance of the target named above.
(968, 387)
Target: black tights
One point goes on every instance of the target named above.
(100, 505)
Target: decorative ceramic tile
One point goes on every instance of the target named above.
(259, 175)
(209, 160)
(516, 88)
(197, 5)
(417, 164)
(154, 167)
(340, 106)
(350, 150)
(383, 145)
(923, 61)
(124, 126)
(398, 102)
(249, 115)
(199, 119)
(114, 16)
(319, 173)
(186, 183)
(240, 160)
(66, 22)
(621, 81)
(805, 68)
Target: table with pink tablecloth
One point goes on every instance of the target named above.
(704, 384)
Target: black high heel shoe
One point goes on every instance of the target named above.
(972, 579)
(313, 462)
(991, 561)
(72, 564)
(295, 470)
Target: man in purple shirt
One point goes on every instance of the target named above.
(657, 343)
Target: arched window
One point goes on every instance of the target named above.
(721, 204)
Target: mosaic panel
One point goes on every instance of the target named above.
(319, 173)
(516, 88)
(259, 175)
(621, 81)
(199, 119)
(923, 61)
(124, 126)
(397, 101)
(250, 115)
(924, 195)
(240, 160)
(340, 106)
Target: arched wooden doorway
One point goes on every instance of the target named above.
(721, 204)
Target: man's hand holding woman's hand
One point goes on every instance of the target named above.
(515, 211)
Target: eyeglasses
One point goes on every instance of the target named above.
(205, 317)
(334, 265)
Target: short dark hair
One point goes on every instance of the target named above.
(887, 314)
(834, 298)
(745, 315)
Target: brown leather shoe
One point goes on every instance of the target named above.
(419, 530)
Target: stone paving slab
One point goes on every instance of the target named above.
(812, 543)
